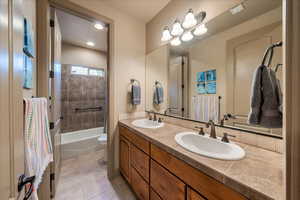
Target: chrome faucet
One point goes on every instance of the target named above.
(211, 124)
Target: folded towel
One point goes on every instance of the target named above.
(135, 94)
(38, 145)
(158, 96)
(265, 100)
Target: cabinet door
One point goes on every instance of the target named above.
(125, 158)
(140, 161)
(192, 195)
(165, 184)
(140, 187)
(154, 196)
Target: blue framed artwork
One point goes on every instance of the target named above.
(211, 87)
(28, 50)
(211, 75)
(200, 76)
(201, 88)
(206, 82)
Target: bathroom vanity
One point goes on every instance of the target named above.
(157, 168)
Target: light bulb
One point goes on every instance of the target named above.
(175, 42)
(99, 26)
(176, 28)
(200, 30)
(166, 35)
(189, 20)
(187, 36)
(91, 44)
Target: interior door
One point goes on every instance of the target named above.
(55, 96)
(246, 56)
(175, 86)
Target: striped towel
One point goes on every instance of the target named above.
(38, 145)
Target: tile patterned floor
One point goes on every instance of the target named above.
(85, 178)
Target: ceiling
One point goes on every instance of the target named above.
(78, 31)
(144, 10)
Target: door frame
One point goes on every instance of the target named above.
(291, 71)
(43, 47)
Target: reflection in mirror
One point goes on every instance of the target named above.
(210, 77)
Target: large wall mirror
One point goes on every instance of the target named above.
(210, 76)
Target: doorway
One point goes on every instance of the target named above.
(78, 90)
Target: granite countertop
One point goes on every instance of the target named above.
(259, 176)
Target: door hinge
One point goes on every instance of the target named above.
(182, 109)
(51, 125)
(182, 86)
(51, 74)
(52, 176)
(52, 23)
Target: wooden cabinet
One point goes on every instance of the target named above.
(192, 195)
(205, 185)
(140, 161)
(165, 184)
(139, 185)
(154, 196)
(125, 158)
(157, 175)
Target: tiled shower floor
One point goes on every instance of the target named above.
(84, 177)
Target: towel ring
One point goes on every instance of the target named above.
(158, 83)
(132, 81)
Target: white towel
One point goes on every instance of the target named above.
(206, 108)
(38, 145)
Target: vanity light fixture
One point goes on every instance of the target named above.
(189, 20)
(177, 28)
(175, 42)
(91, 44)
(98, 26)
(200, 30)
(187, 36)
(166, 35)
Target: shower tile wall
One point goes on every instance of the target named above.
(81, 91)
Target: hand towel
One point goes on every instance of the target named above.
(38, 145)
(264, 99)
(158, 97)
(135, 94)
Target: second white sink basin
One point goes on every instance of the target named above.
(146, 123)
(209, 147)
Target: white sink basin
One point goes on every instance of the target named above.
(209, 147)
(146, 123)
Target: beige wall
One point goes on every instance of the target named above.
(29, 12)
(76, 55)
(203, 59)
(157, 70)
(178, 8)
(128, 61)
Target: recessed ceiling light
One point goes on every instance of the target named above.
(99, 26)
(237, 9)
(91, 44)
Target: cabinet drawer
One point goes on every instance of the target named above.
(166, 185)
(140, 161)
(138, 141)
(192, 195)
(140, 187)
(205, 185)
(154, 196)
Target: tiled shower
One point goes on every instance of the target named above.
(83, 98)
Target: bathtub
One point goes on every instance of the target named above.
(76, 136)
